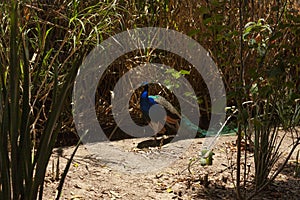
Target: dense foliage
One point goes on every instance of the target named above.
(255, 44)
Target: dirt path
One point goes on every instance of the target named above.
(90, 178)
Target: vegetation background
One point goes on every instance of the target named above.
(255, 44)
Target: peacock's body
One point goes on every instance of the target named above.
(172, 117)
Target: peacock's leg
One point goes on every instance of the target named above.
(158, 128)
(163, 133)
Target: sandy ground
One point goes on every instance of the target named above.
(93, 176)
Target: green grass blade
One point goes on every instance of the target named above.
(14, 68)
(25, 139)
(5, 193)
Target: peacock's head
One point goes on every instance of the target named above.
(145, 85)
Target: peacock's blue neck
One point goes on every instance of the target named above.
(146, 102)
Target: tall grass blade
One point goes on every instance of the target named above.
(14, 70)
(25, 138)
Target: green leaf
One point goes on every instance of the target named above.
(184, 72)
(170, 70)
(261, 21)
(249, 25)
(188, 94)
(176, 75)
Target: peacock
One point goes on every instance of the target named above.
(172, 117)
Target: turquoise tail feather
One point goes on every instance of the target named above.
(203, 133)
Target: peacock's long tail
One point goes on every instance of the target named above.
(192, 127)
(188, 125)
